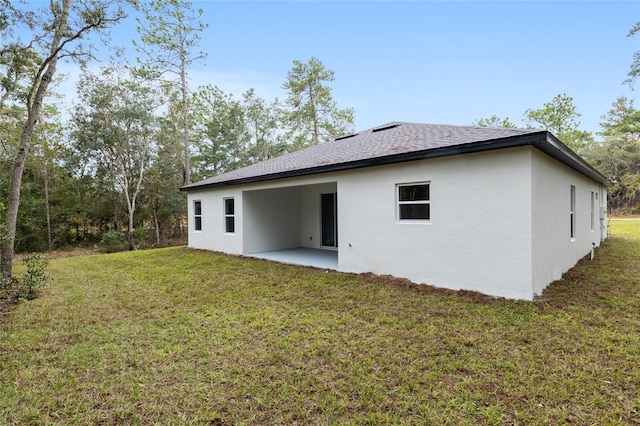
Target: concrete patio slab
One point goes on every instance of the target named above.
(325, 259)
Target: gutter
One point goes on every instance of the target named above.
(556, 149)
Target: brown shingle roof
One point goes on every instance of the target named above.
(390, 143)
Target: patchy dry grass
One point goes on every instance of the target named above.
(177, 336)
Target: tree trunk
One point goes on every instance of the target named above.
(185, 116)
(157, 226)
(13, 202)
(177, 228)
(130, 231)
(34, 107)
(131, 206)
(314, 117)
(46, 190)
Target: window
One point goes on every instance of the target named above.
(593, 209)
(229, 216)
(197, 215)
(573, 212)
(414, 202)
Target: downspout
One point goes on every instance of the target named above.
(602, 205)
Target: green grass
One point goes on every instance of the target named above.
(178, 336)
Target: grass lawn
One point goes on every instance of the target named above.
(177, 336)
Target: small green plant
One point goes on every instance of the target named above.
(140, 235)
(5, 282)
(7, 287)
(113, 241)
(35, 278)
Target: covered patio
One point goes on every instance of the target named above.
(318, 258)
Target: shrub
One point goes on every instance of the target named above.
(140, 234)
(29, 287)
(8, 291)
(35, 278)
(112, 241)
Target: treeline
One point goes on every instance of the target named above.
(614, 150)
(116, 162)
(109, 171)
(617, 155)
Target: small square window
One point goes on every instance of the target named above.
(414, 202)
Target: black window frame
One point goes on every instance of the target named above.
(413, 202)
(197, 215)
(229, 215)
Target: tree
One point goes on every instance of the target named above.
(56, 32)
(164, 178)
(313, 116)
(560, 116)
(618, 156)
(115, 125)
(220, 129)
(46, 145)
(86, 203)
(231, 132)
(494, 121)
(634, 69)
(169, 33)
(261, 120)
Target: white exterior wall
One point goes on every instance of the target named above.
(212, 235)
(271, 219)
(269, 215)
(554, 251)
(479, 235)
(499, 220)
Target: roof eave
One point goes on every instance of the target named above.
(556, 149)
(542, 140)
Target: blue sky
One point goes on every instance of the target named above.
(424, 61)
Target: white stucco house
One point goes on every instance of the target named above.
(500, 211)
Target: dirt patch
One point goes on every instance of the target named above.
(60, 254)
(426, 288)
(78, 251)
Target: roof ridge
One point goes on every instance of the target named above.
(460, 126)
